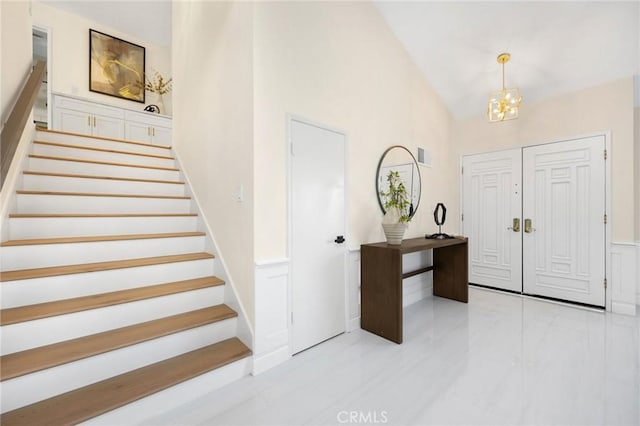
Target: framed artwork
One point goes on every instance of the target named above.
(116, 67)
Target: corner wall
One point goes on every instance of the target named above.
(213, 125)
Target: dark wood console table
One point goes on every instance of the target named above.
(381, 280)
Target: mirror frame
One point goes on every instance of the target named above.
(415, 162)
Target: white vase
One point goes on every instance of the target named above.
(160, 103)
(394, 232)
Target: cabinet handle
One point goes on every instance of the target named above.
(153, 131)
(148, 131)
(94, 121)
(89, 120)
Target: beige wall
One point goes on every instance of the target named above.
(213, 124)
(607, 107)
(337, 63)
(70, 50)
(16, 53)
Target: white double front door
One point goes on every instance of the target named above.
(535, 218)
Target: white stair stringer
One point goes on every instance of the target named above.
(43, 384)
(114, 194)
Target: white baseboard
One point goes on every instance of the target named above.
(623, 308)
(266, 361)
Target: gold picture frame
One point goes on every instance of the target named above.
(116, 67)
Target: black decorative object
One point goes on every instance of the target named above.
(439, 216)
(152, 108)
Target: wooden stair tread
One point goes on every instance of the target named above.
(89, 148)
(50, 215)
(101, 194)
(18, 314)
(98, 238)
(70, 175)
(23, 274)
(107, 163)
(104, 138)
(40, 358)
(90, 401)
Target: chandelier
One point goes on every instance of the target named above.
(504, 104)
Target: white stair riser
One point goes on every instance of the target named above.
(69, 184)
(151, 408)
(101, 143)
(45, 255)
(74, 167)
(40, 332)
(39, 290)
(88, 154)
(28, 203)
(44, 384)
(25, 228)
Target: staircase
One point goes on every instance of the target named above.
(108, 294)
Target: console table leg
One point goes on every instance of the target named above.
(450, 272)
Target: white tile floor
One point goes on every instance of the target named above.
(501, 359)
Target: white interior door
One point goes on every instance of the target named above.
(491, 201)
(317, 219)
(564, 197)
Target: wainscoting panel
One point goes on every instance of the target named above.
(623, 286)
(271, 344)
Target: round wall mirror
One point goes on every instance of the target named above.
(400, 159)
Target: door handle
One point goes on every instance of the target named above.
(527, 226)
(340, 239)
(516, 225)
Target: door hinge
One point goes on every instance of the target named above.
(605, 154)
(462, 171)
(605, 218)
(462, 217)
(605, 283)
(291, 147)
(291, 317)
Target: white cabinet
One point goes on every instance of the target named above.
(80, 116)
(148, 128)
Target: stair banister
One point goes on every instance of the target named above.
(13, 128)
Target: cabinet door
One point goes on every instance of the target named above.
(161, 135)
(138, 132)
(108, 127)
(68, 120)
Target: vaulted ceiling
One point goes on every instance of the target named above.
(556, 47)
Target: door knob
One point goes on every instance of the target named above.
(516, 225)
(527, 226)
(339, 239)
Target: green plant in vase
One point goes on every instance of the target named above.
(396, 205)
